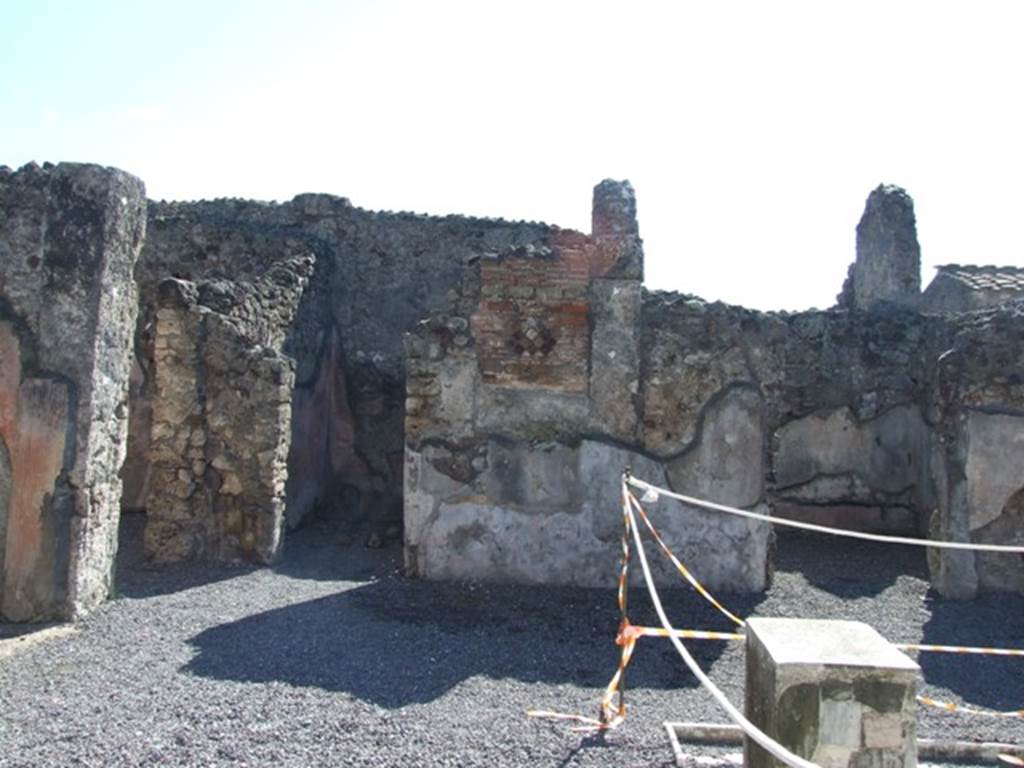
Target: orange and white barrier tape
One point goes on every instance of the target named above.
(685, 634)
(949, 706)
(701, 634)
(683, 570)
(611, 716)
(766, 742)
(959, 649)
(656, 491)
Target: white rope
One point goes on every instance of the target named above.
(637, 483)
(770, 745)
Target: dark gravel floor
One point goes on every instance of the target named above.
(332, 658)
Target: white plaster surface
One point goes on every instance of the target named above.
(995, 464)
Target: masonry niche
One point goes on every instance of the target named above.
(69, 237)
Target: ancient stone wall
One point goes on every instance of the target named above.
(976, 402)
(850, 445)
(839, 435)
(376, 275)
(526, 403)
(69, 238)
(546, 378)
(221, 415)
(270, 380)
(888, 263)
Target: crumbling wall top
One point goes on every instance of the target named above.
(614, 209)
(888, 263)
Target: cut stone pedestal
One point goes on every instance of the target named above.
(834, 692)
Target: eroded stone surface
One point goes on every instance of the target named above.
(615, 355)
(888, 264)
(727, 463)
(876, 470)
(833, 692)
(376, 275)
(6, 476)
(976, 398)
(69, 238)
(222, 416)
(994, 461)
(553, 514)
(34, 569)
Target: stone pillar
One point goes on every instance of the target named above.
(615, 231)
(888, 265)
(615, 357)
(69, 238)
(834, 692)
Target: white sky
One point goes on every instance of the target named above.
(752, 131)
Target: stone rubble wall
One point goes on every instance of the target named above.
(270, 380)
(546, 377)
(376, 275)
(839, 435)
(221, 415)
(525, 405)
(70, 236)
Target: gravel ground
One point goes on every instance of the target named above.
(333, 658)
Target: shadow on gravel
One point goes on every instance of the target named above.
(990, 620)
(395, 642)
(847, 567)
(321, 551)
(311, 552)
(10, 631)
(136, 578)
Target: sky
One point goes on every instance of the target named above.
(752, 132)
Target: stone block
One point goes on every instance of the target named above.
(834, 692)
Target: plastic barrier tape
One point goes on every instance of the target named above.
(949, 706)
(612, 715)
(680, 567)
